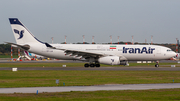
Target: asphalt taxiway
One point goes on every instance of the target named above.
(169, 68)
(90, 88)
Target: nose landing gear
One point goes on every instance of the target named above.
(157, 64)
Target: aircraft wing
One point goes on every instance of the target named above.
(78, 53)
(87, 54)
(83, 53)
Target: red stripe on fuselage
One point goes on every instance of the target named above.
(112, 48)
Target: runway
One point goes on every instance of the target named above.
(90, 88)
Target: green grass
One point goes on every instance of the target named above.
(8, 56)
(127, 95)
(35, 78)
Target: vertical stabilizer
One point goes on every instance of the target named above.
(21, 33)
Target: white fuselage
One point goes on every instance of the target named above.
(125, 52)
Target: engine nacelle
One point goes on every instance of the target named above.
(109, 60)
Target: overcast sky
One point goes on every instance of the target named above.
(99, 18)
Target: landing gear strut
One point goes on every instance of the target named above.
(92, 65)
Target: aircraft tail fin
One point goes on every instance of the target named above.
(21, 33)
(26, 53)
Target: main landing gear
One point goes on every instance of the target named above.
(92, 65)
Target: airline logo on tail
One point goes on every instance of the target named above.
(20, 33)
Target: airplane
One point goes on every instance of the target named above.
(33, 56)
(94, 54)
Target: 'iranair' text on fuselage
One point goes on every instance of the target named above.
(138, 50)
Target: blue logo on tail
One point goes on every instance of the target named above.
(20, 34)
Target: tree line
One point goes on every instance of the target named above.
(5, 49)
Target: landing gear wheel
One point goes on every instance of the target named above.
(86, 65)
(92, 65)
(97, 65)
(156, 65)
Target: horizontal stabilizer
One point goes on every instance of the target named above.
(25, 47)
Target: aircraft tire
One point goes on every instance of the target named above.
(92, 65)
(86, 65)
(156, 65)
(97, 65)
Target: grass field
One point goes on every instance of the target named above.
(8, 56)
(127, 95)
(38, 78)
(34, 78)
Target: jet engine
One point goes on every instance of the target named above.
(112, 60)
(109, 60)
